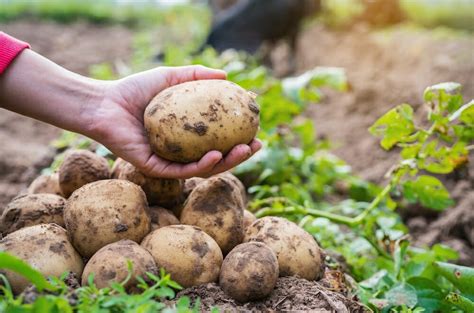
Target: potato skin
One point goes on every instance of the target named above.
(117, 167)
(249, 218)
(46, 248)
(32, 209)
(46, 184)
(190, 184)
(186, 121)
(296, 250)
(249, 272)
(237, 182)
(216, 206)
(161, 217)
(81, 167)
(190, 255)
(159, 191)
(109, 264)
(104, 212)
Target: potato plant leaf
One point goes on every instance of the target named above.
(433, 91)
(402, 294)
(17, 265)
(461, 302)
(430, 296)
(429, 191)
(395, 126)
(462, 277)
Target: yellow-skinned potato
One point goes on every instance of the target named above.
(104, 212)
(296, 250)
(32, 209)
(249, 218)
(109, 264)
(238, 184)
(46, 184)
(46, 248)
(161, 217)
(159, 191)
(186, 121)
(249, 272)
(81, 167)
(117, 167)
(190, 255)
(190, 184)
(216, 206)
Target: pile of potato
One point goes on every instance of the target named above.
(90, 219)
(80, 220)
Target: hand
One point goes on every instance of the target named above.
(117, 123)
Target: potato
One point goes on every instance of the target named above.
(46, 184)
(238, 184)
(117, 167)
(104, 212)
(249, 272)
(46, 248)
(249, 218)
(81, 167)
(296, 250)
(32, 209)
(186, 121)
(190, 255)
(159, 191)
(190, 184)
(109, 264)
(161, 217)
(216, 206)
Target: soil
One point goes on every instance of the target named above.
(290, 294)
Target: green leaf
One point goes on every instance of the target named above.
(394, 126)
(467, 115)
(433, 91)
(462, 277)
(18, 266)
(461, 302)
(429, 191)
(430, 296)
(402, 294)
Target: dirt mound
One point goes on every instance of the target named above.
(25, 142)
(290, 294)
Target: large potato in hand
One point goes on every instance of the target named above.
(32, 209)
(296, 250)
(187, 253)
(216, 206)
(81, 167)
(186, 121)
(46, 248)
(104, 212)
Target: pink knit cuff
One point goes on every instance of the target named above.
(9, 48)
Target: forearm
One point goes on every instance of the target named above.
(36, 87)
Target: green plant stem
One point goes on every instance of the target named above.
(374, 245)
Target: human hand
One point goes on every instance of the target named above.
(117, 123)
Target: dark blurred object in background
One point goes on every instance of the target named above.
(247, 24)
(381, 12)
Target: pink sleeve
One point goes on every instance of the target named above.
(9, 48)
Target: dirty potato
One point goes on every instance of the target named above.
(32, 209)
(46, 248)
(237, 182)
(117, 167)
(296, 250)
(249, 218)
(249, 272)
(161, 217)
(159, 191)
(186, 121)
(186, 252)
(110, 264)
(216, 206)
(106, 211)
(46, 184)
(81, 167)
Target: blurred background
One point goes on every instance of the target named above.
(389, 50)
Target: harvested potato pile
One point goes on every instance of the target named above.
(46, 248)
(110, 223)
(81, 167)
(188, 120)
(46, 184)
